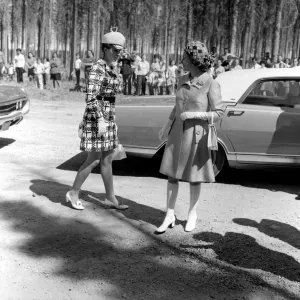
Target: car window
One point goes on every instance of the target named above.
(282, 93)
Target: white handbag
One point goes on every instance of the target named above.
(212, 142)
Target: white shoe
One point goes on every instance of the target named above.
(191, 222)
(78, 204)
(169, 222)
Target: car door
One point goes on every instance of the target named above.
(264, 126)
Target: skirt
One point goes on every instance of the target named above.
(90, 141)
(55, 76)
(31, 72)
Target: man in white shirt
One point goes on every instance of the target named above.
(19, 65)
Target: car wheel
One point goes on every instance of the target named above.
(218, 159)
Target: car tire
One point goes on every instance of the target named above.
(219, 160)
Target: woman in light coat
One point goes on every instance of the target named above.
(186, 155)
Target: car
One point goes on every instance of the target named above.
(260, 127)
(14, 104)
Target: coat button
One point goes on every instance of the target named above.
(198, 132)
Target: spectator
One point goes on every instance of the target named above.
(287, 62)
(47, 71)
(153, 76)
(263, 64)
(294, 63)
(134, 66)
(226, 54)
(280, 63)
(171, 77)
(2, 64)
(219, 69)
(236, 65)
(11, 71)
(255, 64)
(30, 62)
(162, 76)
(269, 63)
(19, 65)
(142, 71)
(88, 62)
(39, 70)
(55, 69)
(77, 66)
(126, 72)
(214, 54)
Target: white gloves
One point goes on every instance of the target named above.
(163, 134)
(102, 127)
(194, 115)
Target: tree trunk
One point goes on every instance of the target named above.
(88, 30)
(166, 27)
(12, 29)
(73, 38)
(234, 26)
(250, 32)
(98, 30)
(189, 20)
(50, 29)
(277, 29)
(213, 38)
(23, 43)
(245, 48)
(42, 38)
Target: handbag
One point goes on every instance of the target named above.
(212, 142)
(119, 153)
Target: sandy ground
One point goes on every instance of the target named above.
(246, 245)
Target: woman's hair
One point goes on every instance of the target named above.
(54, 53)
(31, 54)
(87, 53)
(172, 61)
(105, 47)
(199, 55)
(144, 55)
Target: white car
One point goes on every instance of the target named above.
(14, 104)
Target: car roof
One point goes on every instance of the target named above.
(235, 83)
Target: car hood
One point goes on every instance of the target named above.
(9, 93)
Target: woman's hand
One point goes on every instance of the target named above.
(163, 134)
(102, 127)
(193, 115)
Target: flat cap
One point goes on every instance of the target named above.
(115, 38)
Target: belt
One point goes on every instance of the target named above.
(110, 99)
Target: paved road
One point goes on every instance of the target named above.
(246, 246)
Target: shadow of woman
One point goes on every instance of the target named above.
(56, 192)
(243, 251)
(284, 232)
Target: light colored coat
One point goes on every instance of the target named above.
(186, 155)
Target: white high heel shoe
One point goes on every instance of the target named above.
(78, 204)
(191, 222)
(169, 222)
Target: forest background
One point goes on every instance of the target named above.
(247, 28)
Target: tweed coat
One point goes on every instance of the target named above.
(186, 156)
(102, 82)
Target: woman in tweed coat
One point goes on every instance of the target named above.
(99, 130)
(186, 155)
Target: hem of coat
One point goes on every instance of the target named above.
(185, 180)
(97, 150)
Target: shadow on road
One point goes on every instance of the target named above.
(284, 232)
(243, 251)
(5, 142)
(88, 252)
(131, 166)
(283, 180)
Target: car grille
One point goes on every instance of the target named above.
(11, 107)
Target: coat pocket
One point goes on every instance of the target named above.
(198, 133)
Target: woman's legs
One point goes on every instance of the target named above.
(143, 85)
(172, 193)
(85, 170)
(107, 176)
(57, 82)
(53, 83)
(195, 189)
(139, 84)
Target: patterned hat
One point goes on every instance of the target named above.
(199, 54)
(114, 38)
